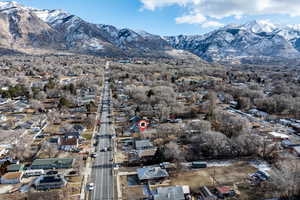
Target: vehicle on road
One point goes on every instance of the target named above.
(96, 143)
(93, 155)
(90, 186)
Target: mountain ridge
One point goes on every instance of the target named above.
(25, 29)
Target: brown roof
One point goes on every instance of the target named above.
(68, 141)
(12, 175)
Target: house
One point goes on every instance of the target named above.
(169, 193)
(151, 173)
(296, 150)
(68, 143)
(258, 113)
(81, 109)
(225, 191)
(11, 178)
(9, 159)
(19, 106)
(278, 136)
(146, 154)
(79, 128)
(123, 61)
(74, 134)
(259, 176)
(46, 182)
(53, 163)
(15, 167)
(296, 126)
(288, 144)
(143, 144)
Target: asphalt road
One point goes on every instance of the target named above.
(102, 167)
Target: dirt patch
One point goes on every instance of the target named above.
(223, 175)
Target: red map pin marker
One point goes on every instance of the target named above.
(143, 125)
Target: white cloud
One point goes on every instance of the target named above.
(219, 9)
(153, 4)
(211, 24)
(191, 19)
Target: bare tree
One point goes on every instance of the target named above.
(285, 178)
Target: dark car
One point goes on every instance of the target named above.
(52, 172)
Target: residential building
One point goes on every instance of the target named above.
(169, 193)
(143, 144)
(53, 163)
(151, 173)
(46, 182)
(68, 143)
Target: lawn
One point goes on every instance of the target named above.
(88, 135)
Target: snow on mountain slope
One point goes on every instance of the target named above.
(51, 16)
(74, 34)
(253, 39)
(259, 26)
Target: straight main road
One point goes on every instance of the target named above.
(102, 167)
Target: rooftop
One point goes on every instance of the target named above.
(142, 144)
(53, 162)
(68, 141)
(169, 193)
(148, 173)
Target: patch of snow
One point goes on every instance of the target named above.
(260, 165)
(225, 163)
(50, 16)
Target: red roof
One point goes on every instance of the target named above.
(224, 189)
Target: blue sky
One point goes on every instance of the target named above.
(174, 17)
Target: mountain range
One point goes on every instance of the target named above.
(29, 30)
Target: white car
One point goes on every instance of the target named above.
(90, 186)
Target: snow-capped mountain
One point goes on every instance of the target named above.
(23, 28)
(234, 42)
(30, 30)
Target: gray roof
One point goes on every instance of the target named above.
(142, 144)
(52, 163)
(297, 149)
(169, 193)
(148, 173)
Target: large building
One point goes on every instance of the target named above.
(53, 163)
